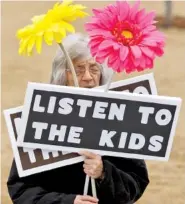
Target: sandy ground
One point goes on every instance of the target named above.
(167, 178)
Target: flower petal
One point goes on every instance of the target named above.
(68, 26)
(116, 65)
(105, 20)
(97, 11)
(112, 57)
(30, 45)
(100, 59)
(91, 26)
(123, 10)
(140, 16)
(104, 53)
(134, 10)
(147, 51)
(48, 37)
(136, 51)
(105, 44)
(23, 46)
(147, 20)
(58, 37)
(38, 44)
(147, 42)
(123, 53)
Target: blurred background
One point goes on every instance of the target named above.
(167, 179)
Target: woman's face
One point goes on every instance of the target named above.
(87, 71)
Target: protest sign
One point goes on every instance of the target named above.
(30, 161)
(112, 123)
(144, 84)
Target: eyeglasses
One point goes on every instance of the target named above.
(80, 70)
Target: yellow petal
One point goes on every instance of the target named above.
(38, 44)
(25, 32)
(58, 37)
(67, 2)
(23, 46)
(31, 43)
(67, 26)
(38, 18)
(56, 5)
(48, 37)
(30, 53)
(62, 32)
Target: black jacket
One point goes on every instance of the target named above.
(124, 183)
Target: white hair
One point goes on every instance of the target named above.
(77, 46)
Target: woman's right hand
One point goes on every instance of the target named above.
(85, 199)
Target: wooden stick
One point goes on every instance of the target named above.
(70, 65)
(93, 186)
(86, 185)
(109, 82)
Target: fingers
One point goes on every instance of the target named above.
(89, 161)
(85, 199)
(88, 154)
(89, 198)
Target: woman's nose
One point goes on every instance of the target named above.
(87, 76)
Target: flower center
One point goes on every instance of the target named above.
(127, 34)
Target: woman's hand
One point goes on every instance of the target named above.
(85, 199)
(93, 165)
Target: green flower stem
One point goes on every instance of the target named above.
(70, 65)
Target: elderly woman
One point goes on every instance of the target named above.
(118, 180)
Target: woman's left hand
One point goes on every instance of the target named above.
(93, 165)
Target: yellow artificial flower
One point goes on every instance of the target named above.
(49, 27)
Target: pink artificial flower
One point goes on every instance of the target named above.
(125, 36)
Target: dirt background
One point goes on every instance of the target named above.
(167, 178)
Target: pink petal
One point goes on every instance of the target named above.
(147, 20)
(149, 62)
(105, 20)
(143, 62)
(147, 51)
(134, 10)
(101, 33)
(136, 62)
(140, 69)
(94, 20)
(112, 58)
(123, 9)
(158, 51)
(149, 29)
(100, 59)
(93, 51)
(116, 65)
(105, 44)
(116, 46)
(94, 44)
(123, 53)
(148, 42)
(136, 51)
(157, 34)
(91, 26)
(113, 9)
(104, 53)
(98, 32)
(97, 11)
(140, 16)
